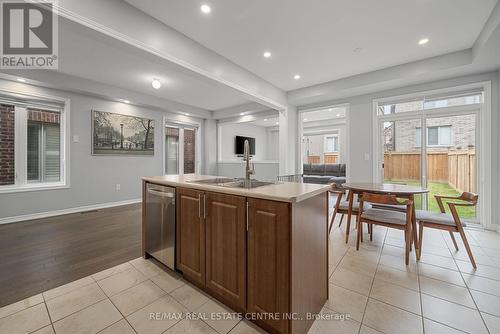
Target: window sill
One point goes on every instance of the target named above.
(32, 187)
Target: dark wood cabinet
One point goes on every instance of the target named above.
(269, 261)
(190, 233)
(225, 222)
(255, 255)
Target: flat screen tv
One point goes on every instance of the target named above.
(240, 142)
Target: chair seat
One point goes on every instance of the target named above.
(344, 205)
(393, 207)
(385, 216)
(437, 218)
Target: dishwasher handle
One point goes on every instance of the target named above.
(161, 193)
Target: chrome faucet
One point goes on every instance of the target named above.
(246, 157)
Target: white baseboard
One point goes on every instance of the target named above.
(15, 219)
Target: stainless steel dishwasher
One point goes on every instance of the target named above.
(160, 223)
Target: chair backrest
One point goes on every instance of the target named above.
(334, 187)
(469, 197)
(384, 199)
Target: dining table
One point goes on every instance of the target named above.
(399, 190)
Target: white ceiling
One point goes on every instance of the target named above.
(318, 38)
(91, 55)
(323, 114)
(266, 122)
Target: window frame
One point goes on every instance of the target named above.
(418, 136)
(21, 102)
(335, 138)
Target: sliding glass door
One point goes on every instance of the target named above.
(432, 144)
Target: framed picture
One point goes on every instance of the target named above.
(116, 134)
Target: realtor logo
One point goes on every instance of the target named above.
(29, 34)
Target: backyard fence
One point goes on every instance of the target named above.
(457, 168)
(328, 158)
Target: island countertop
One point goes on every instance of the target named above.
(280, 191)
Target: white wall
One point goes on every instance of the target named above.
(273, 144)
(92, 179)
(361, 129)
(229, 131)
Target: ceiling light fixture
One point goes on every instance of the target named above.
(330, 109)
(305, 119)
(296, 76)
(277, 123)
(338, 115)
(267, 54)
(265, 119)
(126, 101)
(423, 41)
(21, 80)
(186, 113)
(205, 9)
(156, 84)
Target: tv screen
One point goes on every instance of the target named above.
(240, 142)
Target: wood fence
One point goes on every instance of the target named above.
(457, 168)
(329, 158)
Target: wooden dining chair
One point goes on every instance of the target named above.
(451, 223)
(341, 205)
(388, 218)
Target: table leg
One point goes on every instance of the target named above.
(349, 214)
(414, 228)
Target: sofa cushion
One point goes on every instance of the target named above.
(319, 179)
(332, 169)
(306, 169)
(317, 169)
(342, 170)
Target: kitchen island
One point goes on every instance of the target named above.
(261, 251)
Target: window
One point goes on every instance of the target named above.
(30, 146)
(331, 144)
(436, 136)
(430, 102)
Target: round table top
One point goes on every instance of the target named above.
(385, 188)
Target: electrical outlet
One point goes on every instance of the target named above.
(367, 156)
(76, 139)
(118, 186)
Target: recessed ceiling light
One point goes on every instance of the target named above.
(423, 41)
(277, 123)
(296, 76)
(126, 101)
(205, 9)
(305, 119)
(21, 80)
(338, 115)
(156, 84)
(186, 113)
(265, 119)
(330, 109)
(242, 113)
(267, 54)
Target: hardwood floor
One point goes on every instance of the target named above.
(41, 254)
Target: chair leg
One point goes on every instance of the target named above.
(453, 239)
(467, 247)
(341, 218)
(358, 235)
(408, 243)
(360, 226)
(331, 221)
(370, 230)
(420, 237)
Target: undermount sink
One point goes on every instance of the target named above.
(233, 183)
(217, 180)
(249, 185)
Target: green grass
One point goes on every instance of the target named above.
(437, 188)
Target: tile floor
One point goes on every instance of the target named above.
(441, 294)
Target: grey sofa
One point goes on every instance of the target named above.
(324, 173)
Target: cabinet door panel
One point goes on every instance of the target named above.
(191, 235)
(226, 248)
(268, 261)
